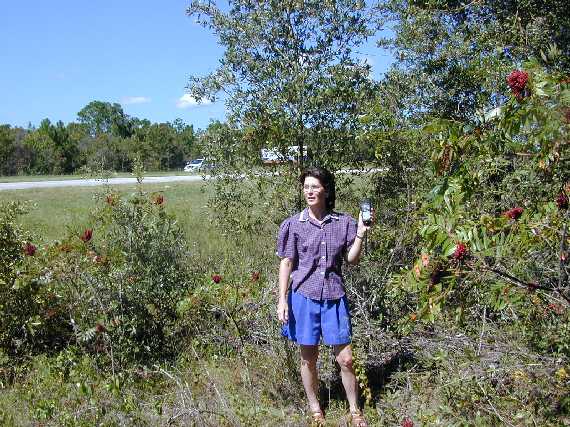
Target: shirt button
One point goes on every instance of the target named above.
(323, 273)
(323, 242)
(323, 257)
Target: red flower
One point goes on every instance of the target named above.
(158, 200)
(407, 423)
(29, 249)
(216, 278)
(517, 81)
(562, 201)
(460, 251)
(514, 213)
(87, 235)
(255, 276)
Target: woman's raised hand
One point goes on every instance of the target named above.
(362, 228)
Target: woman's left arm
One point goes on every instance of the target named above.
(353, 254)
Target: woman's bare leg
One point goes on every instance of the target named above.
(343, 354)
(309, 355)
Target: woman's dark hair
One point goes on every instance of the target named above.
(327, 181)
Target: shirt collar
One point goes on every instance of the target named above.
(304, 216)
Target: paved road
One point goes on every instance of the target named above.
(119, 181)
(95, 182)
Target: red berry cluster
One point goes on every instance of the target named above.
(514, 213)
(87, 235)
(460, 251)
(407, 423)
(562, 200)
(216, 278)
(517, 81)
(29, 249)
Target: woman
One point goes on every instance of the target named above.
(312, 245)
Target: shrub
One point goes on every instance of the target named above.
(500, 197)
(24, 301)
(123, 278)
(111, 287)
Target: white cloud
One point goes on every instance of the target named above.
(187, 101)
(127, 100)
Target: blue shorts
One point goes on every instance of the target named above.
(310, 319)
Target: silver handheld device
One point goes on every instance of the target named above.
(366, 209)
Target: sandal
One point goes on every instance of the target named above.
(317, 419)
(357, 419)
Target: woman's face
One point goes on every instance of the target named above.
(315, 194)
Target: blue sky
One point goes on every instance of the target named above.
(60, 55)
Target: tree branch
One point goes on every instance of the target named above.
(562, 276)
(522, 284)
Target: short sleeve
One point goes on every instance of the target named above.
(350, 232)
(286, 242)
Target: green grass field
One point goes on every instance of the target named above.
(53, 210)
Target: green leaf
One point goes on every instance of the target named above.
(448, 248)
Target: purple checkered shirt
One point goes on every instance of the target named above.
(317, 251)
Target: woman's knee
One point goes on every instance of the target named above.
(344, 359)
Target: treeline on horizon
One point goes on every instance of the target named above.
(103, 137)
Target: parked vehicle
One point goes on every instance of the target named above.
(194, 165)
(274, 156)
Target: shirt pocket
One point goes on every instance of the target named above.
(309, 246)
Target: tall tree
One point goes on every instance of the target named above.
(104, 117)
(7, 149)
(186, 136)
(288, 71)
